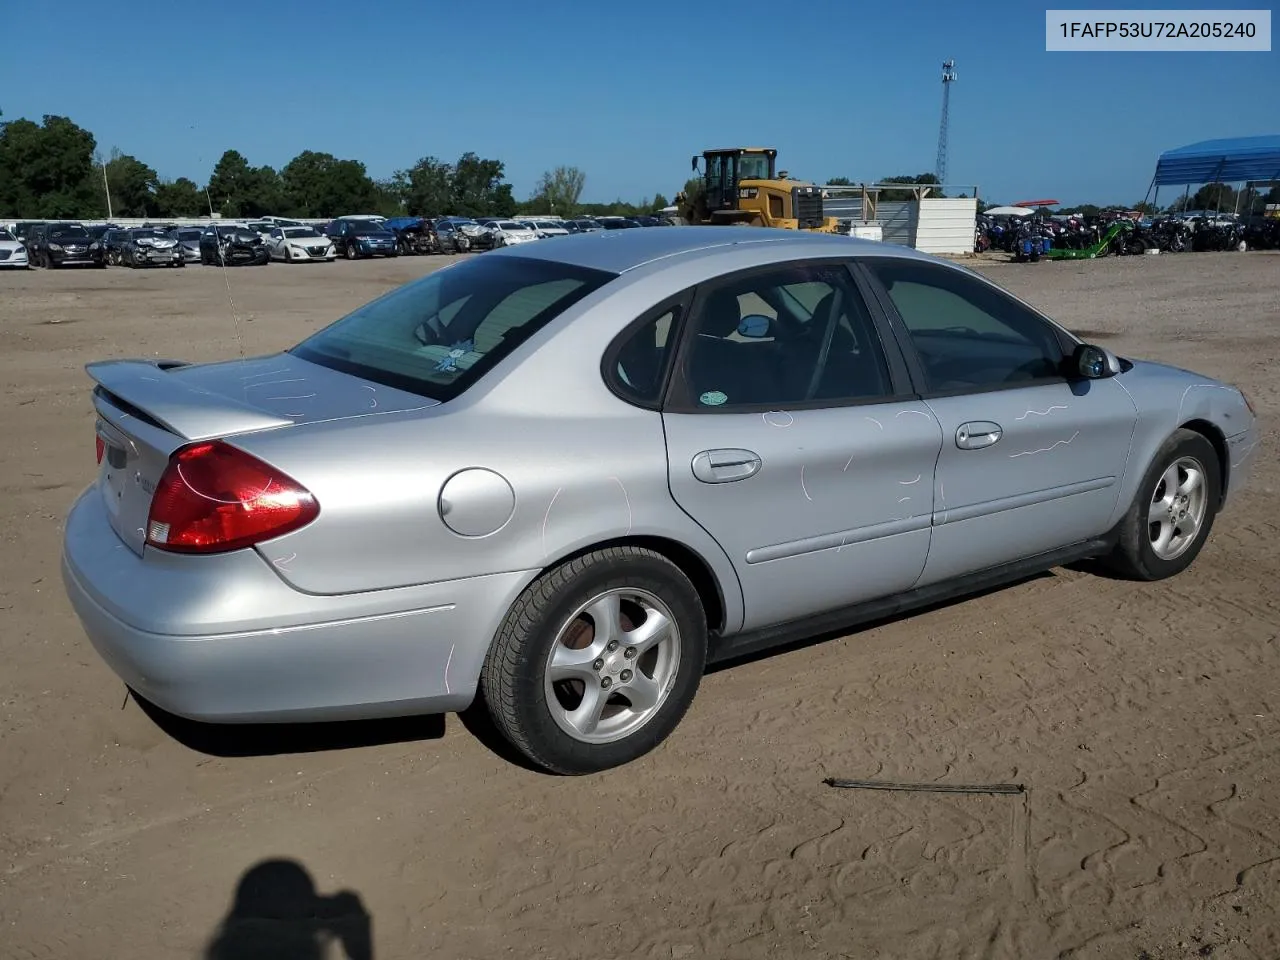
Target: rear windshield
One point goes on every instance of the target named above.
(438, 335)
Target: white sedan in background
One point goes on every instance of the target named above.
(548, 228)
(296, 244)
(13, 254)
(508, 233)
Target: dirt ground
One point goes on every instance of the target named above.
(1143, 719)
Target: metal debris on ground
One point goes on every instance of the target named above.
(1001, 788)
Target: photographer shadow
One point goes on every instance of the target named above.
(277, 914)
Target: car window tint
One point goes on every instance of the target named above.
(967, 334)
(788, 335)
(517, 309)
(438, 335)
(643, 356)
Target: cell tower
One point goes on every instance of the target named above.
(948, 78)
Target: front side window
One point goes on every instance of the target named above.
(968, 335)
(438, 335)
(793, 334)
(753, 166)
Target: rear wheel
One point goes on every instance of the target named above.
(598, 660)
(1173, 512)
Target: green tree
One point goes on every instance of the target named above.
(480, 188)
(390, 196)
(180, 198)
(1262, 200)
(133, 186)
(230, 184)
(1213, 196)
(239, 190)
(47, 170)
(320, 185)
(428, 188)
(919, 178)
(560, 190)
(660, 201)
(840, 182)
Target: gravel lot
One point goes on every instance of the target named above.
(1143, 718)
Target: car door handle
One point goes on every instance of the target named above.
(723, 466)
(978, 434)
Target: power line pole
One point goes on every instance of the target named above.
(106, 186)
(948, 78)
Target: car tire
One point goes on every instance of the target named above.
(1183, 484)
(536, 710)
(351, 251)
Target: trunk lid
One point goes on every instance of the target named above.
(147, 409)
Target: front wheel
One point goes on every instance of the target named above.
(351, 251)
(597, 661)
(1173, 512)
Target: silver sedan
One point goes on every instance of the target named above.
(564, 477)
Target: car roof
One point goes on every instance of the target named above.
(618, 251)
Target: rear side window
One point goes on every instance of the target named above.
(438, 335)
(636, 367)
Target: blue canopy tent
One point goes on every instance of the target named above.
(1237, 160)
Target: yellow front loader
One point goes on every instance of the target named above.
(742, 187)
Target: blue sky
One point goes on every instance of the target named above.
(628, 91)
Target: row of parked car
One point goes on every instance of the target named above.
(365, 236)
(258, 242)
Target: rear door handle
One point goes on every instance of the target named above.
(977, 434)
(724, 466)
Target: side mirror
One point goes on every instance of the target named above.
(754, 326)
(1094, 363)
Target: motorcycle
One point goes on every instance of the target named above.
(1031, 239)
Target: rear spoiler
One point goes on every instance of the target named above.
(154, 394)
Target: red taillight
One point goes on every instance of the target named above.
(213, 497)
(99, 447)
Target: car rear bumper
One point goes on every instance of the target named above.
(224, 639)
